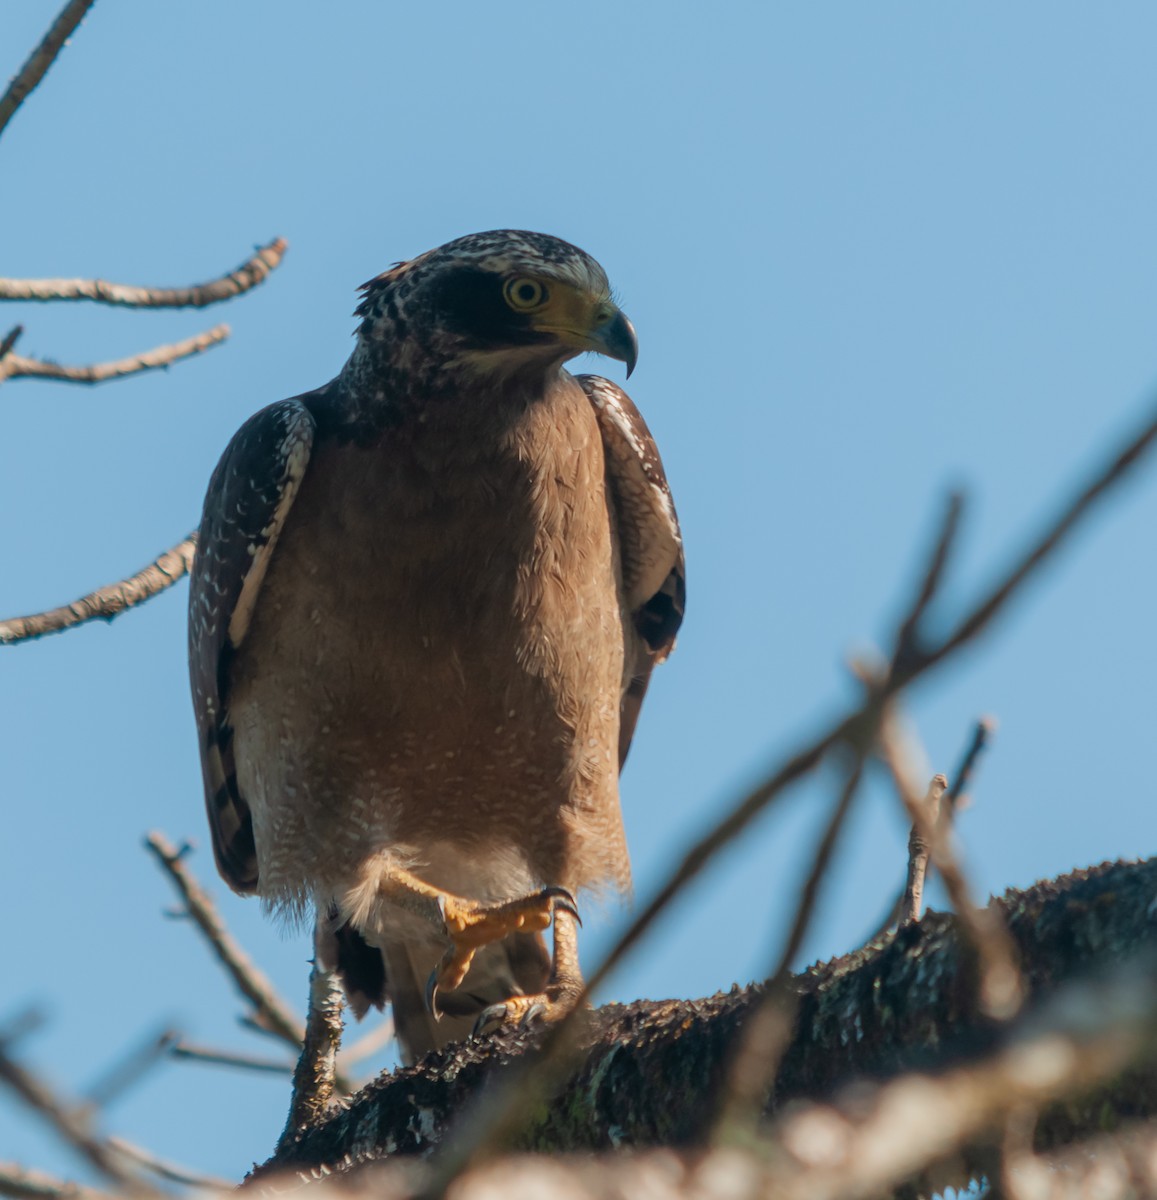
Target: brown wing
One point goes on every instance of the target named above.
(249, 496)
(650, 542)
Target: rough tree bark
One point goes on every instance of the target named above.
(652, 1071)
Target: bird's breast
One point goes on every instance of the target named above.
(439, 640)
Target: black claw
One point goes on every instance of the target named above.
(496, 1012)
(563, 900)
(432, 995)
(538, 1009)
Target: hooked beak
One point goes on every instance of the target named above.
(616, 339)
(601, 328)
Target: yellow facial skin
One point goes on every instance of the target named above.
(574, 317)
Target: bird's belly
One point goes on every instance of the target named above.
(456, 684)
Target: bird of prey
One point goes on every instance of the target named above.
(426, 603)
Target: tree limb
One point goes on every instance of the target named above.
(254, 270)
(651, 1071)
(17, 366)
(106, 602)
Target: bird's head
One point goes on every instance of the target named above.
(498, 305)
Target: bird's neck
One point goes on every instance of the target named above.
(380, 390)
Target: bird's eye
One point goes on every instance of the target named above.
(523, 294)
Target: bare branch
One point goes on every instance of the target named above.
(247, 977)
(248, 275)
(314, 1078)
(16, 366)
(163, 1168)
(71, 1124)
(226, 1058)
(42, 58)
(106, 602)
(24, 1184)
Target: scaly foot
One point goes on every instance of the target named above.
(471, 925)
(549, 1006)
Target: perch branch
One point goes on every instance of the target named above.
(106, 602)
(42, 58)
(17, 366)
(248, 275)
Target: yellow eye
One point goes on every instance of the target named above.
(524, 294)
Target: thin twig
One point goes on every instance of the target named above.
(924, 825)
(106, 602)
(1030, 560)
(315, 1075)
(10, 340)
(1001, 987)
(247, 977)
(483, 1129)
(15, 1028)
(164, 1168)
(227, 1058)
(17, 366)
(767, 1031)
(254, 270)
(981, 735)
(909, 633)
(42, 58)
(129, 1070)
(901, 907)
(21, 1183)
(71, 1124)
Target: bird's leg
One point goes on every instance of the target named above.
(470, 924)
(563, 988)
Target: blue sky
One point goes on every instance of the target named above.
(872, 252)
